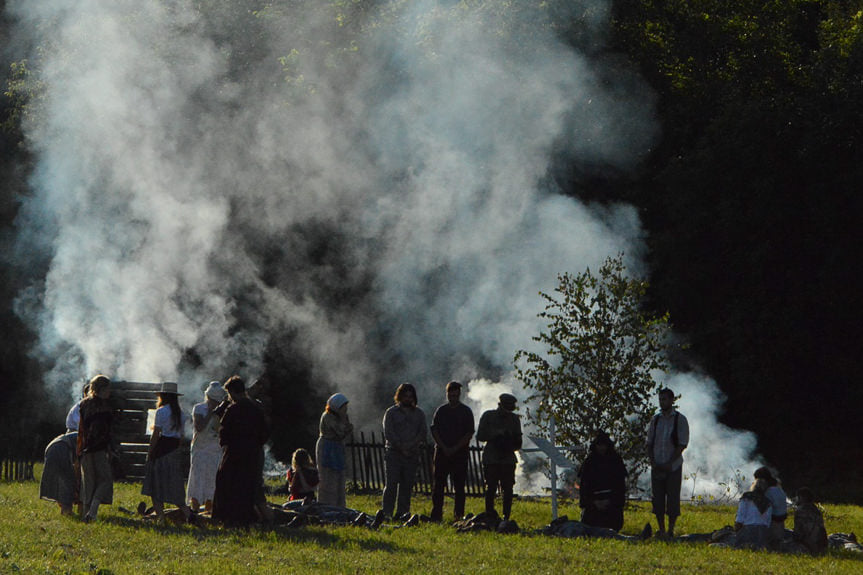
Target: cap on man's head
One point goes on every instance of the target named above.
(453, 385)
(507, 401)
(666, 391)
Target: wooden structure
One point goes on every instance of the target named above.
(131, 400)
(366, 466)
(14, 469)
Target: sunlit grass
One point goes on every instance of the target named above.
(36, 539)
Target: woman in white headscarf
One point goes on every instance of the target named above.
(335, 428)
(206, 452)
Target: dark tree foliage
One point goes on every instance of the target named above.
(22, 399)
(752, 206)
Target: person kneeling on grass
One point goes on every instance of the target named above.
(602, 481)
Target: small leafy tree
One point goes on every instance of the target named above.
(596, 373)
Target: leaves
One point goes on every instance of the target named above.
(601, 353)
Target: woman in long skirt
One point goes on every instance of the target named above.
(206, 451)
(59, 477)
(164, 479)
(335, 428)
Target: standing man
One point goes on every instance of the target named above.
(404, 431)
(237, 500)
(667, 437)
(452, 427)
(501, 430)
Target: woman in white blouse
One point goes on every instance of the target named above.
(164, 479)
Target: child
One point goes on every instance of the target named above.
(302, 476)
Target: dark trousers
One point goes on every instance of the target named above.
(456, 469)
(502, 474)
(666, 491)
(400, 473)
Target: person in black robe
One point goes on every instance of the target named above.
(239, 482)
(602, 485)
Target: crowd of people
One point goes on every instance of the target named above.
(230, 430)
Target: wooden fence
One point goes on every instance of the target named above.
(18, 456)
(14, 469)
(366, 466)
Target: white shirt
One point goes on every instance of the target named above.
(748, 514)
(777, 500)
(659, 439)
(209, 436)
(166, 422)
(73, 418)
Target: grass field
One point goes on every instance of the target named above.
(34, 538)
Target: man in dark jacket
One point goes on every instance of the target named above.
(501, 430)
(239, 482)
(452, 427)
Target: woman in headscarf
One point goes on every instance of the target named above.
(94, 445)
(753, 517)
(206, 453)
(164, 479)
(602, 480)
(335, 428)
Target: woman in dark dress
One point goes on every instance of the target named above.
(242, 435)
(603, 485)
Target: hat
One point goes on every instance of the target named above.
(453, 385)
(337, 400)
(215, 391)
(507, 400)
(169, 387)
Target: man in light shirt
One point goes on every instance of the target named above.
(667, 437)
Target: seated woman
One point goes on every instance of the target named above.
(302, 476)
(779, 504)
(753, 517)
(603, 485)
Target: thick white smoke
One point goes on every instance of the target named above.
(182, 146)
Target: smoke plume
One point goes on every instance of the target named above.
(375, 184)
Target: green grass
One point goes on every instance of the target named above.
(36, 539)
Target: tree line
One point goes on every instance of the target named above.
(749, 199)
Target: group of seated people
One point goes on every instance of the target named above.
(761, 512)
(761, 515)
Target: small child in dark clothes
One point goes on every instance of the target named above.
(302, 476)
